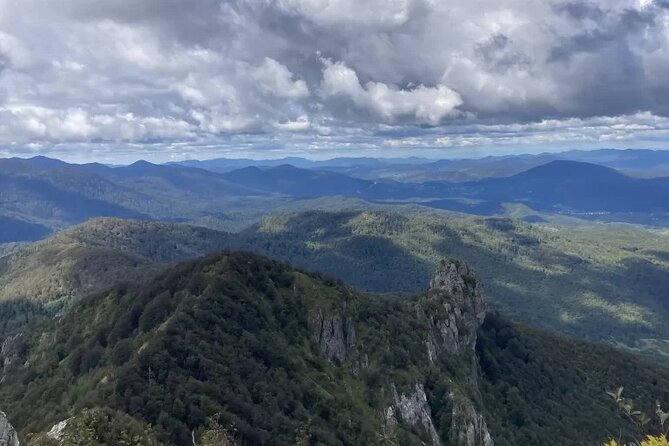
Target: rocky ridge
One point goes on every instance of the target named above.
(458, 291)
(453, 311)
(444, 321)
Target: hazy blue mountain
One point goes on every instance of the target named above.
(569, 187)
(290, 180)
(199, 182)
(645, 163)
(228, 164)
(53, 194)
(638, 163)
(634, 162)
(43, 200)
(342, 164)
(14, 229)
(558, 186)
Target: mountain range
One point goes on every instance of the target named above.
(634, 162)
(41, 195)
(390, 318)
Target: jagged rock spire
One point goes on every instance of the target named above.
(463, 308)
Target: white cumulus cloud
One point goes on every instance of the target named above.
(426, 104)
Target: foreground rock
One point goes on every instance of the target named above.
(458, 291)
(452, 313)
(8, 435)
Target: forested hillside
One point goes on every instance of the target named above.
(98, 254)
(276, 354)
(602, 283)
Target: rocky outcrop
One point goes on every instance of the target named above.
(455, 309)
(468, 428)
(10, 354)
(452, 312)
(9, 350)
(57, 432)
(8, 435)
(413, 409)
(334, 334)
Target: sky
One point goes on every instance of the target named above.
(119, 80)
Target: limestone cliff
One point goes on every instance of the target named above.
(468, 428)
(413, 409)
(451, 312)
(8, 436)
(455, 309)
(334, 333)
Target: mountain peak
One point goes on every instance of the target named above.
(38, 162)
(566, 169)
(142, 163)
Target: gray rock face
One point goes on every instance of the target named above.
(9, 350)
(454, 310)
(468, 428)
(8, 435)
(10, 354)
(57, 431)
(334, 335)
(458, 309)
(413, 410)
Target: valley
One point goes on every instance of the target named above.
(334, 223)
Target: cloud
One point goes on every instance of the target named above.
(426, 104)
(98, 73)
(278, 80)
(299, 125)
(75, 124)
(368, 13)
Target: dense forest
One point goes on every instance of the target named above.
(601, 283)
(231, 338)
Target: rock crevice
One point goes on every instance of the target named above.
(334, 334)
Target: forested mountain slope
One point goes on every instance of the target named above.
(98, 254)
(280, 353)
(600, 282)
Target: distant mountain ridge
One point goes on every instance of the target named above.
(635, 162)
(565, 170)
(579, 187)
(558, 186)
(42, 195)
(53, 195)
